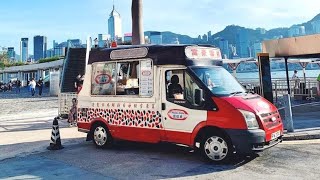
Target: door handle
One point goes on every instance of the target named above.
(163, 106)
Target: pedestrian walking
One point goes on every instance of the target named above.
(18, 85)
(40, 85)
(296, 79)
(32, 85)
(10, 86)
(78, 83)
(72, 116)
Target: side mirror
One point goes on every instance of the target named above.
(198, 96)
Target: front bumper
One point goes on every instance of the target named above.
(248, 141)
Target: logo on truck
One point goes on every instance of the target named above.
(177, 114)
(146, 73)
(103, 79)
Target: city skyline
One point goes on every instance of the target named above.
(78, 19)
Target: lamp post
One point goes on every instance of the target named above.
(137, 24)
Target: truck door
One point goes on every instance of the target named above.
(181, 114)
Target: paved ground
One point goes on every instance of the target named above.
(298, 160)
(26, 124)
(25, 130)
(306, 122)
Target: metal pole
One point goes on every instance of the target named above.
(287, 73)
(288, 113)
(235, 73)
(276, 91)
(304, 75)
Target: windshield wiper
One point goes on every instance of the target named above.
(235, 93)
(251, 92)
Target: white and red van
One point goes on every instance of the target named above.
(173, 93)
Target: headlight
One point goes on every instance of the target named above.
(250, 118)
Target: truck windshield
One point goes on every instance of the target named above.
(219, 81)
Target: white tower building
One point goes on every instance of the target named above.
(114, 25)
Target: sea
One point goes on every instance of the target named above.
(278, 74)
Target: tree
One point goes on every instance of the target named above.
(137, 25)
(3, 60)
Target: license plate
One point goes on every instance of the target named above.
(275, 135)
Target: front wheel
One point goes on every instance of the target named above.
(101, 136)
(216, 148)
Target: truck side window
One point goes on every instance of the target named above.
(103, 79)
(134, 78)
(127, 78)
(174, 84)
(190, 89)
(180, 86)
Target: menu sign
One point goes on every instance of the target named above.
(146, 78)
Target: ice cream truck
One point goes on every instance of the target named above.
(173, 93)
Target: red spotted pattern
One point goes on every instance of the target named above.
(121, 117)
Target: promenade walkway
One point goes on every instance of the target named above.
(306, 117)
(306, 122)
(26, 123)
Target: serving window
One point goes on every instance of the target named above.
(123, 78)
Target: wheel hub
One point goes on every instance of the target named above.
(216, 148)
(100, 136)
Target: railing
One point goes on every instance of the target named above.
(299, 89)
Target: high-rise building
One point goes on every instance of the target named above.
(295, 31)
(11, 53)
(205, 38)
(49, 53)
(261, 30)
(243, 44)
(257, 48)
(233, 51)
(209, 36)
(176, 41)
(114, 25)
(224, 47)
(39, 47)
(74, 43)
(127, 37)
(24, 49)
(316, 26)
(3, 50)
(59, 49)
(103, 40)
(155, 38)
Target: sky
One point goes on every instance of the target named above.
(69, 19)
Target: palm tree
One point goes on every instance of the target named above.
(137, 25)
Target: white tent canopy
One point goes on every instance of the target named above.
(234, 63)
(302, 61)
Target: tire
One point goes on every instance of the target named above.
(101, 136)
(216, 148)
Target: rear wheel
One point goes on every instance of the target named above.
(101, 136)
(216, 147)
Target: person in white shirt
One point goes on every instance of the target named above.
(296, 79)
(32, 85)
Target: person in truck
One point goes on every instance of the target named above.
(175, 89)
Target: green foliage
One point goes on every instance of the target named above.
(49, 59)
(4, 65)
(4, 62)
(16, 64)
(1, 65)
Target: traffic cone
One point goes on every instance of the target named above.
(55, 143)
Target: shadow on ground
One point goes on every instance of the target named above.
(125, 160)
